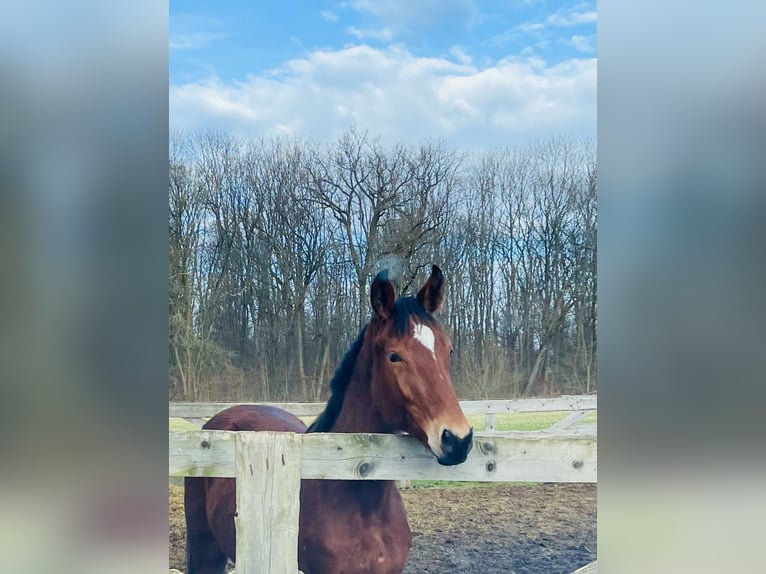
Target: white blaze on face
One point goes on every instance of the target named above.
(425, 336)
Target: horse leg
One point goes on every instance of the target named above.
(203, 555)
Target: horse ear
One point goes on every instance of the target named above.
(431, 296)
(382, 295)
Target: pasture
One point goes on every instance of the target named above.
(488, 529)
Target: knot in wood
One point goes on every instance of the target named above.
(205, 444)
(364, 469)
(487, 447)
(491, 466)
(578, 464)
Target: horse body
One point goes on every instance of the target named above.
(352, 526)
(210, 503)
(395, 378)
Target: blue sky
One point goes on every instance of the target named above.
(473, 73)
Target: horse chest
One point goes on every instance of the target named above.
(342, 536)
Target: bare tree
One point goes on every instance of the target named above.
(193, 352)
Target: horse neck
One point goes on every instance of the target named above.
(359, 412)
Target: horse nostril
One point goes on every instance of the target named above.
(447, 436)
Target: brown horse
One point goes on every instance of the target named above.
(395, 378)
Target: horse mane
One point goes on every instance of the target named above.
(404, 308)
(338, 386)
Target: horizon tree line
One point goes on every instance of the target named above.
(273, 243)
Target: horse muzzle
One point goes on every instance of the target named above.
(454, 449)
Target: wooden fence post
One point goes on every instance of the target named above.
(490, 422)
(268, 474)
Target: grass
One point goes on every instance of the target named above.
(181, 425)
(526, 421)
(452, 484)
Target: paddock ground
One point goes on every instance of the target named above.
(487, 529)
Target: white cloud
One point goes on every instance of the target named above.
(384, 34)
(399, 96)
(563, 18)
(408, 11)
(414, 16)
(461, 55)
(194, 41)
(528, 27)
(328, 16)
(585, 44)
(195, 31)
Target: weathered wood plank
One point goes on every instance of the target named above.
(207, 410)
(511, 457)
(201, 453)
(533, 457)
(564, 403)
(581, 430)
(587, 569)
(489, 420)
(268, 474)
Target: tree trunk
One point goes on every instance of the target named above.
(536, 369)
(181, 374)
(322, 370)
(299, 352)
(265, 391)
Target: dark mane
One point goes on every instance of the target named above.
(404, 308)
(338, 385)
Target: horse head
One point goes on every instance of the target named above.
(411, 382)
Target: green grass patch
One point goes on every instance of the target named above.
(591, 417)
(458, 484)
(181, 425)
(526, 421)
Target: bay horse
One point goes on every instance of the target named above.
(395, 378)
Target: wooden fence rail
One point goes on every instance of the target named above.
(269, 466)
(578, 403)
(513, 457)
(564, 403)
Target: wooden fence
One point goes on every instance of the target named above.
(268, 466)
(580, 405)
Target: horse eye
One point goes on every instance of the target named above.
(394, 357)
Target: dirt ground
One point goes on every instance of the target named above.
(503, 529)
